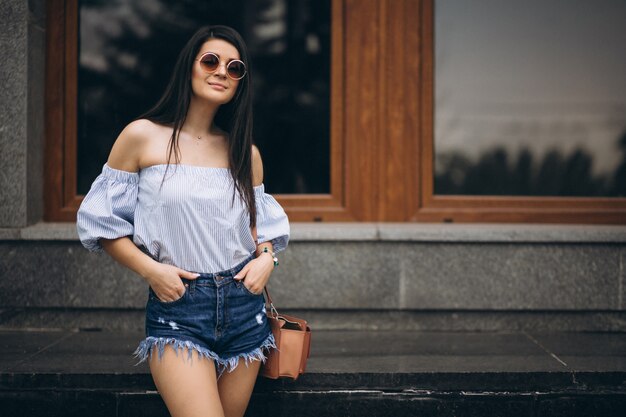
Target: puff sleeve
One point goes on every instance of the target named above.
(272, 223)
(108, 209)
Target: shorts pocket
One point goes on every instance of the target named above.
(156, 299)
(246, 290)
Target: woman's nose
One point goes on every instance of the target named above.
(221, 69)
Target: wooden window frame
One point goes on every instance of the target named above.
(382, 136)
(508, 209)
(60, 199)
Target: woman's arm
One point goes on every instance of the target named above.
(257, 179)
(164, 279)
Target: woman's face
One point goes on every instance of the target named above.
(216, 87)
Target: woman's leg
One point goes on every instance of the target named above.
(189, 388)
(235, 387)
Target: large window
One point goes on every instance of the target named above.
(127, 50)
(515, 101)
(530, 97)
(404, 110)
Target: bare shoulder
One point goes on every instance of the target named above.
(257, 166)
(130, 145)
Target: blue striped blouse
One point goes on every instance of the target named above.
(192, 222)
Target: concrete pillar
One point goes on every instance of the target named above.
(22, 94)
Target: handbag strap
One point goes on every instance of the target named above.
(267, 292)
(273, 310)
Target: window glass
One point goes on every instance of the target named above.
(530, 97)
(127, 50)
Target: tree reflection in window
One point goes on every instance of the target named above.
(553, 175)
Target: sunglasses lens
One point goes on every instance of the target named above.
(236, 69)
(210, 62)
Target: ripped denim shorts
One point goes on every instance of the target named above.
(217, 316)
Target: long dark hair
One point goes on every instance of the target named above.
(235, 117)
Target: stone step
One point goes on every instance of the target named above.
(349, 373)
(348, 403)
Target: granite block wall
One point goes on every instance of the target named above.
(22, 77)
(349, 275)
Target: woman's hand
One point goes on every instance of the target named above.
(166, 283)
(256, 273)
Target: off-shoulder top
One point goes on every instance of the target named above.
(192, 222)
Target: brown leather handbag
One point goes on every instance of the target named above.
(293, 339)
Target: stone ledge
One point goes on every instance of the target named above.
(132, 319)
(413, 232)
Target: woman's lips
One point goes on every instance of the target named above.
(217, 86)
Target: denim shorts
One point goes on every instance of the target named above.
(217, 316)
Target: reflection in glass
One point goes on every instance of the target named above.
(127, 49)
(530, 97)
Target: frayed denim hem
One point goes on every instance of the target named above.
(257, 354)
(146, 348)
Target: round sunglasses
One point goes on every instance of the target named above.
(210, 62)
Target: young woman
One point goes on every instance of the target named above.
(185, 182)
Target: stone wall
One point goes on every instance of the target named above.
(358, 267)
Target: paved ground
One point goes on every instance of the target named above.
(430, 360)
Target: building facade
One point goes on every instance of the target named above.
(443, 166)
